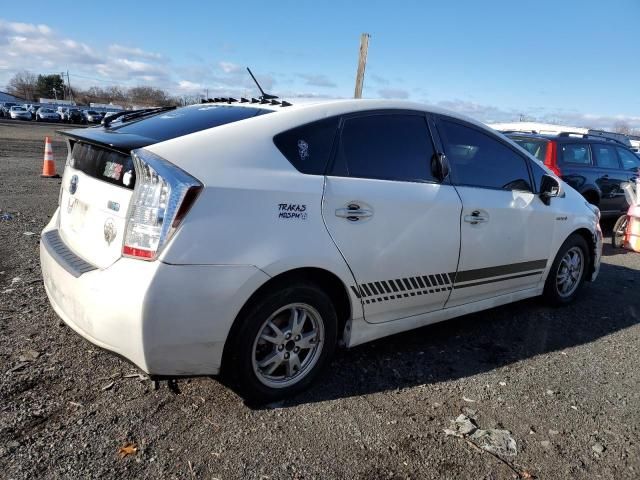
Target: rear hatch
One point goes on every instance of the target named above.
(96, 189)
(99, 177)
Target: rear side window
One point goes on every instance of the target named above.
(387, 147)
(478, 160)
(576, 153)
(630, 161)
(606, 156)
(308, 147)
(537, 148)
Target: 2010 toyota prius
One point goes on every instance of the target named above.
(250, 239)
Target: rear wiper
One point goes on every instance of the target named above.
(131, 114)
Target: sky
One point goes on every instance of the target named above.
(567, 61)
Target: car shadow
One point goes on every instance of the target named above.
(480, 342)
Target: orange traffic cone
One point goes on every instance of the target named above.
(49, 165)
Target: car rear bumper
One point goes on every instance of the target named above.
(166, 319)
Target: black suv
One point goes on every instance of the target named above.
(595, 166)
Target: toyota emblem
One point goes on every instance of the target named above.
(73, 184)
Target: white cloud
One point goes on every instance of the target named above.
(228, 67)
(122, 51)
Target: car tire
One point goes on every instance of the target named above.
(617, 234)
(568, 271)
(246, 365)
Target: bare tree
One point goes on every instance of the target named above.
(23, 84)
(622, 127)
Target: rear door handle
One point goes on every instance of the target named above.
(475, 218)
(353, 213)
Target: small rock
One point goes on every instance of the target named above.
(15, 280)
(468, 400)
(28, 234)
(461, 426)
(545, 443)
(8, 290)
(574, 407)
(550, 392)
(29, 356)
(598, 448)
(554, 432)
(502, 384)
(108, 386)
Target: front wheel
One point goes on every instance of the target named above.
(283, 343)
(568, 271)
(617, 235)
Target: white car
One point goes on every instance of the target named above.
(19, 113)
(47, 115)
(255, 245)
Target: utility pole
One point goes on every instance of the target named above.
(362, 62)
(69, 86)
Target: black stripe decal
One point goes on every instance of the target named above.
(393, 286)
(413, 282)
(355, 291)
(386, 287)
(400, 285)
(426, 280)
(480, 273)
(366, 290)
(493, 280)
(420, 282)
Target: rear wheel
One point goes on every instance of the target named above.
(283, 343)
(568, 271)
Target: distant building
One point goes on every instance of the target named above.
(6, 97)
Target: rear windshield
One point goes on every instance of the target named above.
(106, 165)
(535, 146)
(182, 121)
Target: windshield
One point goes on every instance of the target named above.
(535, 146)
(18, 109)
(91, 112)
(46, 110)
(182, 121)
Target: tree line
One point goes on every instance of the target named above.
(32, 87)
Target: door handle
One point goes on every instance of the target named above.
(475, 218)
(353, 212)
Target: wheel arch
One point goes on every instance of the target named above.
(591, 194)
(328, 281)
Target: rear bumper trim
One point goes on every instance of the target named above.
(68, 260)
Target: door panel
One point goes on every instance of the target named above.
(404, 253)
(508, 251)
(505, 229)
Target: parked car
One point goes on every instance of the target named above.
(44, 114)
(75, 116)
(249, 240)
(92, 116)
(19, 113)
(595, 166)
(4, 109)
(32, 109)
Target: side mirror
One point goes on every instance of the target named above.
(549, 188)
(439, 166)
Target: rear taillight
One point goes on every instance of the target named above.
(162, 196)
(551, 158)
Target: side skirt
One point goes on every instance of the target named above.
(358, 331)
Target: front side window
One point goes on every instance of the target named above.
(478, 160)
(606, 156)
(579, 153)
(387, 147)
(630, 161)
(308, 147)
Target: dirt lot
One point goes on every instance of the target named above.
(565, 383)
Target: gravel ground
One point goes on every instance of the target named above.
(565, 382)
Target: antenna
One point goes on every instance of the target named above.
(264, 96)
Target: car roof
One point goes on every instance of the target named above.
(574, 138)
